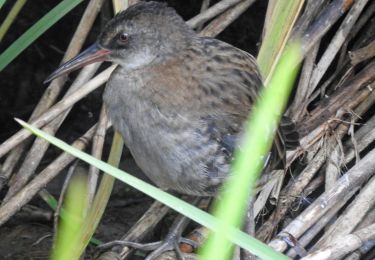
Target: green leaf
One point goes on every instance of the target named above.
(11, 17)
(36, 30)
(236, 236)
(71, 224)
(2, 3)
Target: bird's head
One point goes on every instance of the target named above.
(145, 33)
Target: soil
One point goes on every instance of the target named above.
(29, 235)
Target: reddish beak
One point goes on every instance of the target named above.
(92, 54)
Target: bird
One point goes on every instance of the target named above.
(179, 100)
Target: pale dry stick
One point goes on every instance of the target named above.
(314, 185)
(311, 10)
(363, 38)
(362, 144)
(333, 166)
(9, 164)
(40, 146)
(362, 20)
(204, 6)
(323, 23)
(341, 74)
(275, 193)
(349, 182)
(96, 151)
(336, 43)
(354, 141)
(298, 108)
(59, 205)
(363, 140)
(354, 214)
(368, 220)
(362, 54)
(57, 109)
(346, 94)
(291, 193)
(337, 158)
(316, 228)
(368, 14)
(119, 5)
(316, 134)
(138, 231)
(306, 142)
(266, 191)
(302, 180)
(42, 179)
(54, 89)
(344, 245)
(224, 20)
(211, 12)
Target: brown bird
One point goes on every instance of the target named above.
(179, 100)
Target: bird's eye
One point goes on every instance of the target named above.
(124, 37)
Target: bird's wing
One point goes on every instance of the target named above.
(233, 80)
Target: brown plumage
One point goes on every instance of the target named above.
(179, 100)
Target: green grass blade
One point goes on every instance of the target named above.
(2, 3)
(71, 224)
(236, 236)
(52, 203)
(101, 199)
(248, 164)
(11, 17)
(36, 30)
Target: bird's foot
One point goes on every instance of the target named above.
(171, 242)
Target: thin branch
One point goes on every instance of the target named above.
(349, 182)
(56, 110)
(211, 12)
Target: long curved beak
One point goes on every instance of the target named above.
(92, 54)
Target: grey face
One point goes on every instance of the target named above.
(144, 33)
(132, 43)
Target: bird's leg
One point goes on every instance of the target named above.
(173, 238)
(171, 242)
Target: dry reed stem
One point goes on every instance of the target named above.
(224, 20)
(56, 110)
(312, 9)
(323, 23)
(42, 179)
(349, 182)
(54, 89)
(315, 229)
(330, 107)
(336, 43)
(344, 245)
(96, 151)
(211, 12)
(362, 54)
(40, 146)
(353, 215)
